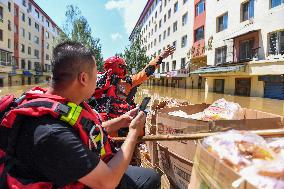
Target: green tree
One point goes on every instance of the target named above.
(76, 28)
(135, 55)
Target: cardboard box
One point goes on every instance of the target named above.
(177, 169)
(171, 153)
(210, 173)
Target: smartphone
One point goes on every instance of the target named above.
(144, 103)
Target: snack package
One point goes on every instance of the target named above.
(237, 149)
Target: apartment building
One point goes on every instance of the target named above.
(246, 55)
(163, 23)
(27, 37)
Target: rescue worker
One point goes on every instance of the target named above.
(115, 90)
(57, 141)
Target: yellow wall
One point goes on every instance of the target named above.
(257, 87)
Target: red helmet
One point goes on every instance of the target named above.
(117, 64)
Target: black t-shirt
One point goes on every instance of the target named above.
(49, 150)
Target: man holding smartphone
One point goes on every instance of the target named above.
(60, 142)
(115, 92)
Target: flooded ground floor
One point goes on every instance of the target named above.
(191, 95)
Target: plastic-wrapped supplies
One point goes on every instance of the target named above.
(259, 161)
(219, 110)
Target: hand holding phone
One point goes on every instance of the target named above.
(144, 104)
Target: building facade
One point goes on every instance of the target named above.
(246, 56)
(163, 23)
(233, 47)
(27, 38)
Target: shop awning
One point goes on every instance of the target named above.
(217, 69)
(27, 73)
(242, 33)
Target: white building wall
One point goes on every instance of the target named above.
(265, 19)
(187, 29)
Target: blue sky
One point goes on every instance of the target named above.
(111, 20)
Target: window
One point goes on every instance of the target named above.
(199, 33)
(220, 55)
(246, 50)
(29, 65)
(24, 3)
(184, 19)
(168, 67)
(275, 3)
(156, 14)
(36, 53)
(165, 18)
(47, 23)
(169, 31)
(222, 22)
(1, 35)
(23, 32)
(182, 63)
(22, 48)
(175, 44)
(36, 39)
(174, 65)
(247, 10)
(42, 18)
(160, 38)
(175, 26)
(29, 50)
(175, 7)
(276, 43)
(199, 8)
(9, 25)
(30, 36)
(47, 45)
(165, 34)
(155, 42)
(29, 7)
(23, 17)
(47, 34)
(156, 28)
(9, 43)
(30, 21)
(160, 23)
(184, 1)
(165, 3)
(169, 13)
(37, 13)
(47, 57)
(9, 6)
(1, 14)
(36, 26)
(23, 64)
(163, 67)
(184, 41)
(161, 8)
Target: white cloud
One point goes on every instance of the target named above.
(115, 36)
(130, 9)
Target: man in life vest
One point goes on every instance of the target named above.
(57, 141)
(115, 90)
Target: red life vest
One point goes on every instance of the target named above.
(83, 119)
(110, 100)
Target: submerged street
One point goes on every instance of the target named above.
(195, 96)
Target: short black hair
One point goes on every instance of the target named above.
(69, 59)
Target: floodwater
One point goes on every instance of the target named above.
(192, 95)
(199, 96)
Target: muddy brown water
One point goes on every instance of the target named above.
(191, 95)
